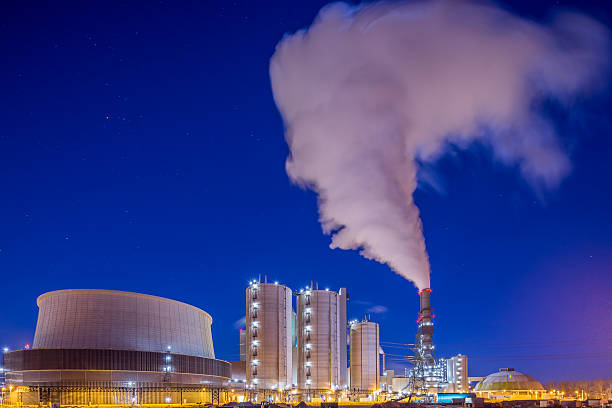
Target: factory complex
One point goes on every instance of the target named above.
(94, 347)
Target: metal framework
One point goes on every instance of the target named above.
(86, 395)
(428, 374)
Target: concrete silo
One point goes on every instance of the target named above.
(268, 337)
(365, 362)
(321, 336)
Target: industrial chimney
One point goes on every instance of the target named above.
(428, 374)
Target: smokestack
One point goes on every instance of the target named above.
(425, 295)
(424, 350)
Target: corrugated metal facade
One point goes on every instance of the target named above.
(268, 334)
(107, 319)
(321, 335)
(365, 361)
(125, 360)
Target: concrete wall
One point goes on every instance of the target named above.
(108, 319)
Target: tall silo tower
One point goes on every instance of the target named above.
(268, 336)
(365, 361)
(321, 336)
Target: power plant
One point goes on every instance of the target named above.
(112, 347)
(302, 355)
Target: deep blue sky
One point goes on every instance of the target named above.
(141, 150)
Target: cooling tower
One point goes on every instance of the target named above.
(365, 362)
(101, 347)
(116, 320)
(268, 334)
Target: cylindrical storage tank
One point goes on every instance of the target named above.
(365, 362)
(268, 336)
(116, 320)
(319, 339)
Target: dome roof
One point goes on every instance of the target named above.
(509, 380)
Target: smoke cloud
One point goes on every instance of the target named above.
(369, 92)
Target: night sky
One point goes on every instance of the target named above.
(141, 150)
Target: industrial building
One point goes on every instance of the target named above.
(289, 354)
(509, 384)
(456, 374)
(113, 347)
(269, 354)
(365, 357)
(430, 375)
(302, 355)
(321, 340)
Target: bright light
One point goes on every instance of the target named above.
(5, 349)
(276, 282)
(169, 347)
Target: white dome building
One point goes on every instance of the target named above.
(509, 384)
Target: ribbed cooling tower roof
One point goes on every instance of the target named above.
(509, 380)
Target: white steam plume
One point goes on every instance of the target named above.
(367, 91)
